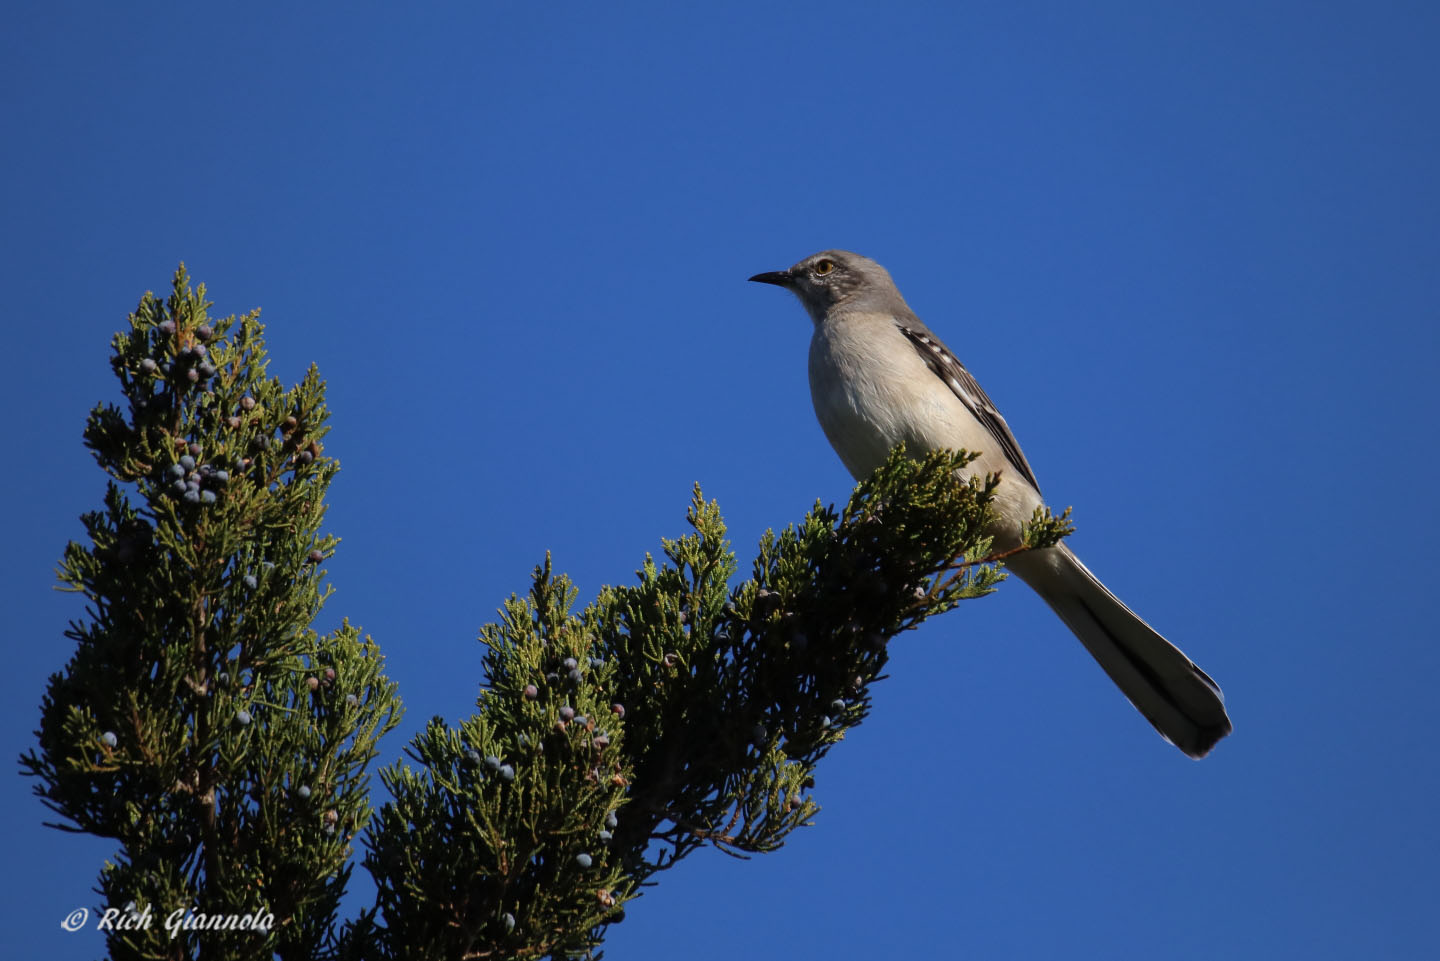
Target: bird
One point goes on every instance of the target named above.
(879, 377)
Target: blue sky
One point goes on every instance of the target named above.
(1190, 251)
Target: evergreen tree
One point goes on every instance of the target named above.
(202, 722)
(207, 727)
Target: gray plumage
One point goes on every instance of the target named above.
(879, 376)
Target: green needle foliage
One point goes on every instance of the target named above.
(209, 729)
(202, 723)
(673, 714)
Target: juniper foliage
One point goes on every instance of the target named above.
(206, 726)
(202, 722)
(676, 713)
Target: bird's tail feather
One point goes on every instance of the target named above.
(1181, 700)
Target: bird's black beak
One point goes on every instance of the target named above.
(780, 278)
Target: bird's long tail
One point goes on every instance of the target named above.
(1177, 697)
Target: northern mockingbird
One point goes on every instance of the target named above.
(878, 376)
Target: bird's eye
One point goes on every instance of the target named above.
(823, 267)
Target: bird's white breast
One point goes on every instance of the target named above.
(863, 388)
(872, 389)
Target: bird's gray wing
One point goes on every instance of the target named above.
(958, 379)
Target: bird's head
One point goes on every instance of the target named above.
(837, 278)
